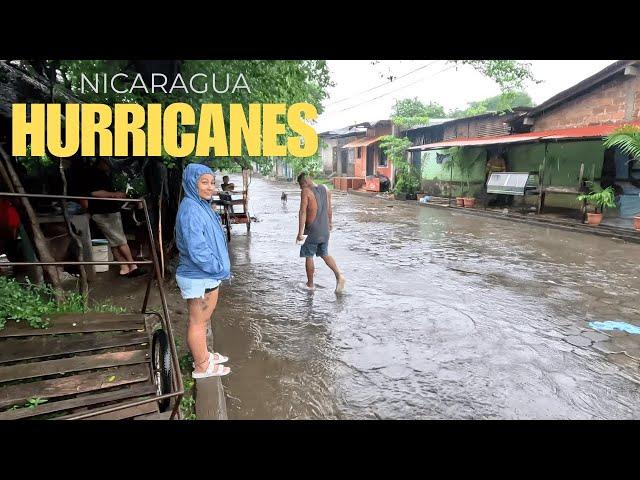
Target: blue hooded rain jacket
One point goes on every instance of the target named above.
(199, 235)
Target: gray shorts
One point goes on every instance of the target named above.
(318, 249)
(111, 226)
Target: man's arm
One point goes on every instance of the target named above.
(302, 214)
(105, 194)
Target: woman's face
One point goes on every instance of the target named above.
(206, 186)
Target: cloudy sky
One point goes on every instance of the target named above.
(362, 91)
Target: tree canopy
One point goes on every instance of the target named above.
(497, 103)
(279, 81)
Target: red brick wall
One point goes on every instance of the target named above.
(606, 103)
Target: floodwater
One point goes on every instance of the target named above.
(445, 316)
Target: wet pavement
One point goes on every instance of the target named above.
(445, 316)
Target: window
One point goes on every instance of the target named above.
(359, 152)
(382, 159)
(442, 158)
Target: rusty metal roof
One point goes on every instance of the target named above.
(362, 142)
(593, 131)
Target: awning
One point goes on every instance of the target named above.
(595, 131)
(362, 142)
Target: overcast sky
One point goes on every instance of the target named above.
(363, 93)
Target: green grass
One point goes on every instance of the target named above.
(188, 402)
(33, 302)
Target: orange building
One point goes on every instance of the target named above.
(369, 159)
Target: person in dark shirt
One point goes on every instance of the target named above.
(96, 182)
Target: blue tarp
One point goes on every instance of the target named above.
(614, 325)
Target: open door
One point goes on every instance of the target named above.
(370, 159)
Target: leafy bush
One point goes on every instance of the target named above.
(32, 302)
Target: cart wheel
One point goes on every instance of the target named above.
(162, 368)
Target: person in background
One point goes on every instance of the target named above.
(97, 182)
(226, 186)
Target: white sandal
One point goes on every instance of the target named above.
(221, 359)
(213, 370)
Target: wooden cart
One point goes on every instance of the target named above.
(94, 365)
(228, 205)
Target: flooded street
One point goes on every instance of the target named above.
(445, 316)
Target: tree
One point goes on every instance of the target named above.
(407, 175)
(627, 138)
(410, 112)
(289, 81)
(510, 75)
(497, 103)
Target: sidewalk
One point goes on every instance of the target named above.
(550, 220)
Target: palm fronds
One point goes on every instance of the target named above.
(627, 138)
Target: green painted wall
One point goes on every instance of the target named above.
(440, 174)
(562, 167)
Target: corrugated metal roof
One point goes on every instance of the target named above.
(362, 142)
(594, 131)
(343, 132)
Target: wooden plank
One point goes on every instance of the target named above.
(58, 387)
(84, 401)
(567, 190)
(125, 413)
(157, 416)
(15, 349)
(72, 364)
(77, 323)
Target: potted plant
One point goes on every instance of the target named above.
(600, 200)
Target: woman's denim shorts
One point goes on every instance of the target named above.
(195, 287)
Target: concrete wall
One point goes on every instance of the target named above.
(326, 153)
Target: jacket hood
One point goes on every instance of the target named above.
(190, 177)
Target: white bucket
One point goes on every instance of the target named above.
(100, 249)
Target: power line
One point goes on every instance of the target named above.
(383, 84)
(390, 92)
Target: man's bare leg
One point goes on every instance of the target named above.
(124, 269)
(340, 280)
(126, 252)
(310, 267)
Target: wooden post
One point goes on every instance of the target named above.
(5, 178)
(541, 180)
(583, 209)
(450, 181)
(84, 286)
(39, 239)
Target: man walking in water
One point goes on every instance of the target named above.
(315, 221)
